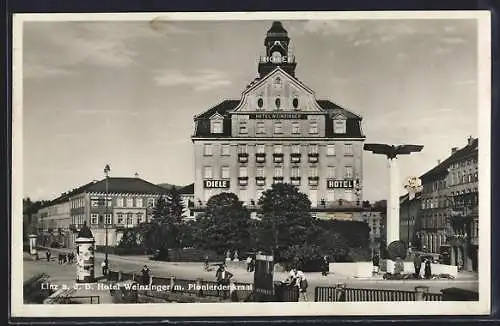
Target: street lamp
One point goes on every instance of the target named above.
(107, 169)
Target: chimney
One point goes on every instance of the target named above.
(439, 162)
(136, 175)
(454, 150)
(470, 140)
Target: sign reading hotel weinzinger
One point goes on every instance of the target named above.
(343, 184)
(216, 184)
(278, 116)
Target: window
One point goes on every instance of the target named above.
(94, 218)
(295, 103)
(261, 149)
(138, 202)
(339, 126)
(313, 149)
(224, 172)
(260, 102)
(107, 219)
(295, 172)
(139, 218)
(151, 202)
(94, 202)
(330, 196)
(278, 172)
(243, 172)
(278, 149)
(242, 149)
(313, 127)
(129, 219)
(119, 202)
(243, 197)
(330, 150)
(313, 172)
(295, 127)
(348, 195)
(207, 149)
(330, 172)
(130, 202)
(278, 127)
(216, 126)
(277, 102)
(348, 149)
(260, 127)
(207, 172)
(225, 150)
(295, 149)
(348, 172)
(119, 218)
(259, 172)
(243, 127)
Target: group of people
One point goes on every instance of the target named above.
(62, 258)
(250, 264)
(297, 278)
(417, 264)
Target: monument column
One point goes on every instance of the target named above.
(393, 202)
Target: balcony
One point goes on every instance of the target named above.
(260, 157)
(313, 181)
(295, 181)
(260, 181)
(278, 157)
(243, 157)
(295, 157)
(313, 157)
(278, 179)
(243, 181)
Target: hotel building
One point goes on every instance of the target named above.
(279, 132)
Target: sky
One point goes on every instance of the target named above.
(124, 93)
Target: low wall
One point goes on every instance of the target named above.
(355, 269)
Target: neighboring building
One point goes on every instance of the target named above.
(279, 132)
(449, 211)
(409, 212)
(187, 196)
(115, 203)
(375, 221)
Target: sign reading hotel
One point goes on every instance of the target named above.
(278, 116)
(343, 184)
(216, 184)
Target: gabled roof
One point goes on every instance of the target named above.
(459, 155)
(222, 108)
(126, 185)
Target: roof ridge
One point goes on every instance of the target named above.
(340, 106)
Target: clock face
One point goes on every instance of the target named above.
(276, 57)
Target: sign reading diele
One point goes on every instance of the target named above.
(216, 184)
(343, 184)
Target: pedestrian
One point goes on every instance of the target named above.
(47, 255)
(206, 264)
(376, 264)
(302, 284)
(427, 269)
(223, 278)
(249, 263)
(325, 266)
(103, 268)
(70, 257)
(147, 276)
(417, 263)
(252, 265)
(59, 258)
(65, 258)
(399, 266)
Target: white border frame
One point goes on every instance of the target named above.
(18, 309)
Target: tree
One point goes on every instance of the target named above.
(131, 239)
(286, 219)
(224, 225)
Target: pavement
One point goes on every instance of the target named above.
(191, 271)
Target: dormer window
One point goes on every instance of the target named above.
(339, 124)
(216, 124)
(260, 103)
(295, 103)
(278, 103)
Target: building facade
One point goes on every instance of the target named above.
(409, 212)
(449, 211)
(113, 204)
(279, 132)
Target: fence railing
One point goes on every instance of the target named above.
(340, 293)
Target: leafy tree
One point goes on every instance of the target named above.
(131, 239)
(224, 225)
(286, 219)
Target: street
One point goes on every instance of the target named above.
(66, 273)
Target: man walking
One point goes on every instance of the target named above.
(223, 277)
(249, 263)
(146, 276)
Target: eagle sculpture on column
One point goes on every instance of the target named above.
(391, 151)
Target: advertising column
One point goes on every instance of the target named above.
(32, 239)
(85, 256)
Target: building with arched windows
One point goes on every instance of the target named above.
(278, 131)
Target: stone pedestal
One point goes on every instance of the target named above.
(32, 240)
(85, 270)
